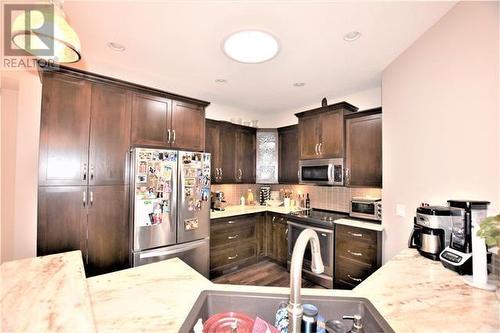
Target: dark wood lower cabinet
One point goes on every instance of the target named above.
(279, 238)
(107, 229)
(61, 219)
(358, 253)
(92, 219)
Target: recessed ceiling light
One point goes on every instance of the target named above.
(299, 84)
(352, 36)
(220, 81)
(251, 46)
(116, 46)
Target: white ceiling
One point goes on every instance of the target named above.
(176, 46)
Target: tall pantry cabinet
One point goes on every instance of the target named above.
(83, 176)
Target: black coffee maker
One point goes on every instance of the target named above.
(432, 230)
(458, 255)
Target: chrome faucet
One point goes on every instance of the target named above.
(295, 309)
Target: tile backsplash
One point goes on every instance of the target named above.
(322, 197)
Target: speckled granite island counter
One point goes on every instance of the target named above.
(413, 294)
(45, 294)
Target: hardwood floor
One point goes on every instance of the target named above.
(264, 273)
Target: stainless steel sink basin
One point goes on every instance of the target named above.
(265, 306)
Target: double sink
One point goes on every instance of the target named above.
(265, 306)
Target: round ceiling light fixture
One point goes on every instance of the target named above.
(299, 84)
(352, 36)
(251, 46)
(221, 81)
(116, 46)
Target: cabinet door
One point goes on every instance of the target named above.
(308, 137)
(228, 156)
(108, 229)
(61, 219)
(288, 155)
(64, 131)
(213, 146)
(245, 156)
(364, 151)
(109, 135)
(188, 126)
(332, 134)
(151, 121)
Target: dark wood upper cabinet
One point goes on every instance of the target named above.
(188, 126)
(64, 131)
(288, 162)
(364, 149)
(308, 137)
(61, 219)
(245, 155)
(227, 170)
(151, 118)
(233, 152)
(108, 229)
(321, 131)
(109, 135)
(331, 143)
(213, 130)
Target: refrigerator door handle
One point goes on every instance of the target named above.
(176, 249)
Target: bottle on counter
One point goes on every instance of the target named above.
(242, 200)
(308, 202)
(250, 196)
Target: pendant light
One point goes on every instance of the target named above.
(66, 49)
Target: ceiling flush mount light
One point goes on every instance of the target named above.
(116, 46)
(221, 81)
(44, 33)
(352, 36)
(251, 46)
(299, 84)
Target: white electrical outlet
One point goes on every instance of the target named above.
(401, 210)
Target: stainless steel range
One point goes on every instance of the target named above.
(322, 222)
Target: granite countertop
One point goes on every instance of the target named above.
(46, 294)
(414, 294)
(236, 210)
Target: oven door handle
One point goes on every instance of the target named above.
(303, 226)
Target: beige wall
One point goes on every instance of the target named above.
(20, 137)
(440, 122)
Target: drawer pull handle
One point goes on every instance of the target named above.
(355, 234)
(230, 222)
(232, 257)
(357, 254)
(353, 278)
(233, 237)
(323, 234)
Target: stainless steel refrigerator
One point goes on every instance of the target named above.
(171, 207)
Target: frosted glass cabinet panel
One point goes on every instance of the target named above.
(267, 156)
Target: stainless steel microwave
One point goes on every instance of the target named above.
(366, 208)
(322, 171)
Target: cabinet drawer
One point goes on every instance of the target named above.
(232, 235)
(231, 255)
(353, 233)
(232, 224)
(351, 272)
(356, 250)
